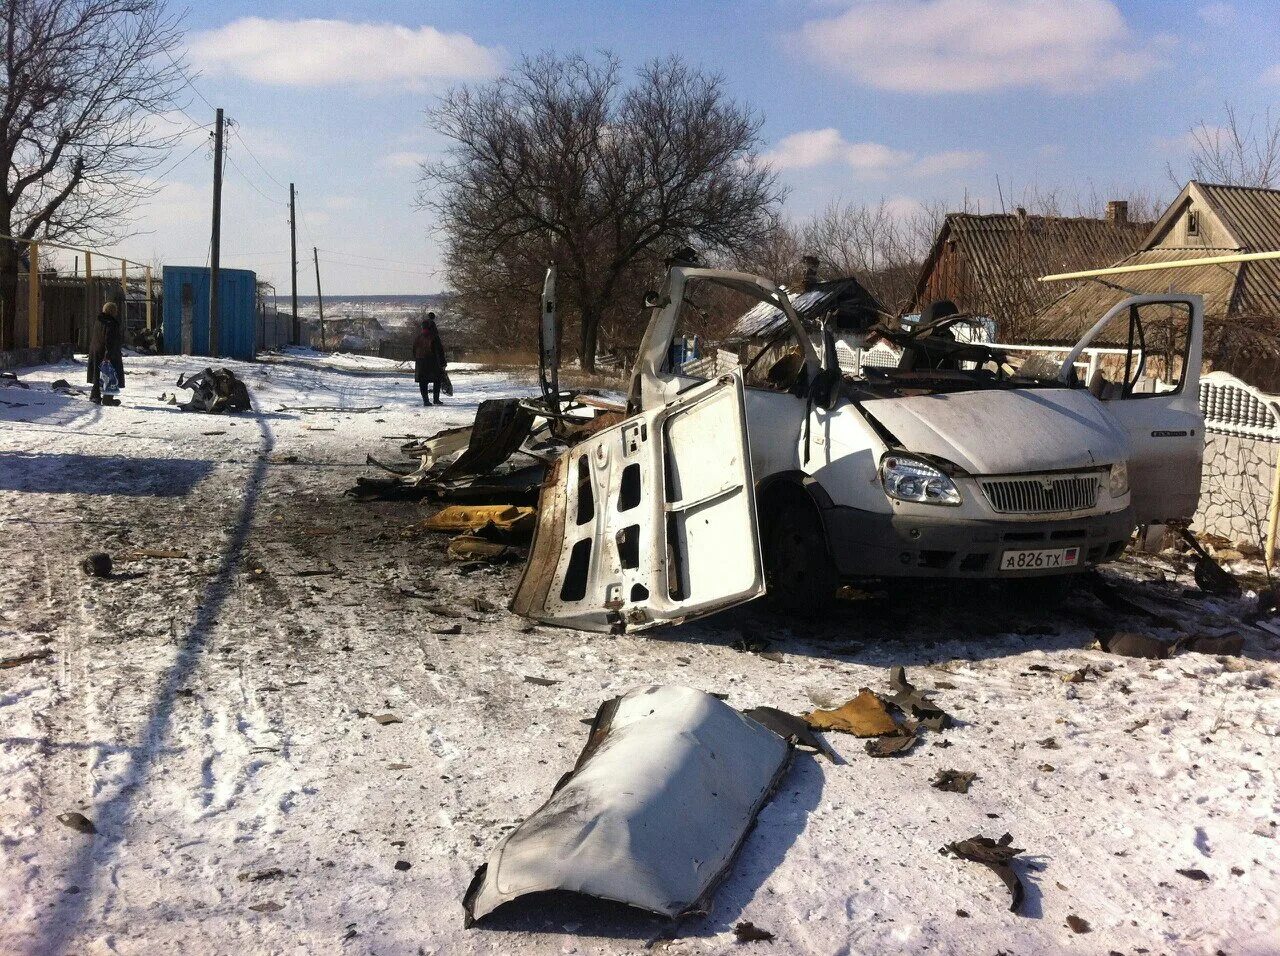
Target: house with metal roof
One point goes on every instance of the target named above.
(1241, 299)
(1205, 220)
(990, 265)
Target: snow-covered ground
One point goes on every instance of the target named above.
(214, 717)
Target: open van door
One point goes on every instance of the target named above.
(1150, 384)
(651, 521)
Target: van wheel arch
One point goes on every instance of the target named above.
(800, 573)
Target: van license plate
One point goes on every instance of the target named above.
(1039, 560)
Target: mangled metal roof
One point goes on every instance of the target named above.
(854, 305)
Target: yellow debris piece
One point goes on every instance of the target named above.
(512, 519)
(864, 716)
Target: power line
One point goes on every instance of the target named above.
(236, 130)
(199, 146)
(245, 176)
(355, 255)
(361, 265)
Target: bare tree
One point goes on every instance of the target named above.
(880, 248)
(561, 160)
(83, 80)
(1241, 152)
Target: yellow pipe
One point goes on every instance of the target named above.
(54, 245)
(1273, 516)
(33, 297)
(1154, 266)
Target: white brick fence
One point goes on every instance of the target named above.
(1242, 441)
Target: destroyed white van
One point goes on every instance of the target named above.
(789, 476)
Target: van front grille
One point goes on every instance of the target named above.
(1042, 494)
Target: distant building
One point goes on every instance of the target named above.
(1241, 300)
(990, 265)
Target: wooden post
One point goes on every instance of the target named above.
(319, 298)
(215, 242)
(124, 295)
(149, 325)
(33, 296)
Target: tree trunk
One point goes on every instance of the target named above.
(589, 339)
(8, 295)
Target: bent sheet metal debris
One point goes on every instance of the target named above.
(653, 813)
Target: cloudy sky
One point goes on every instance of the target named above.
(906, 100)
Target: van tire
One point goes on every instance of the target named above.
(799, 574)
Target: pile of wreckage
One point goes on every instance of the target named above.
(501, 458)
(213, 391)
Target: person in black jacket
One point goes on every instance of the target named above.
(428, 360)
(104, 349)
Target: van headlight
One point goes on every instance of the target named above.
(910, 479)
(1118, 482)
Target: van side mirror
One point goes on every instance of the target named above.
(650, 299)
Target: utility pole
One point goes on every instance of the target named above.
(293, 258)
(319, 298)
(215, 244)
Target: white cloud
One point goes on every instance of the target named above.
(403, 160)
(961, 46)
(950, 161)
(1271, 75)
(330, 52)
(1217, 14)
(826, 147)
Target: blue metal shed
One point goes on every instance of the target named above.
(186, 312)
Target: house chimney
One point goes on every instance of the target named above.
(1118, 211)
(810, 272)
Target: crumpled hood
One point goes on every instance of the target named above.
(1005, 432)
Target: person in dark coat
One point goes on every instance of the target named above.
(428, 360)
(104, 349)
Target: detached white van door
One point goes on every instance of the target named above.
(651, 521)
(1152, 390)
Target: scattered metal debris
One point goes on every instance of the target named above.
(1209, 575)
(497, 522)
(893, 745)
(1229, 645)
(472, 547)
(28, 658)
(77, 821)
(213, 391)
(259, 876)
(998, 856)
(795, 730)
(864, 716)
(652, 814)
(954, 781)
(1128, 644)
(749, 932)
(915, 703)
(1078, 924)
(97, 565)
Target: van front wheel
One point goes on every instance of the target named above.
(799, 574)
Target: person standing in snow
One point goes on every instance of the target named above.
(428, 360)
(106, 363)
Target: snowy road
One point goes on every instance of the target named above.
(214, 716)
